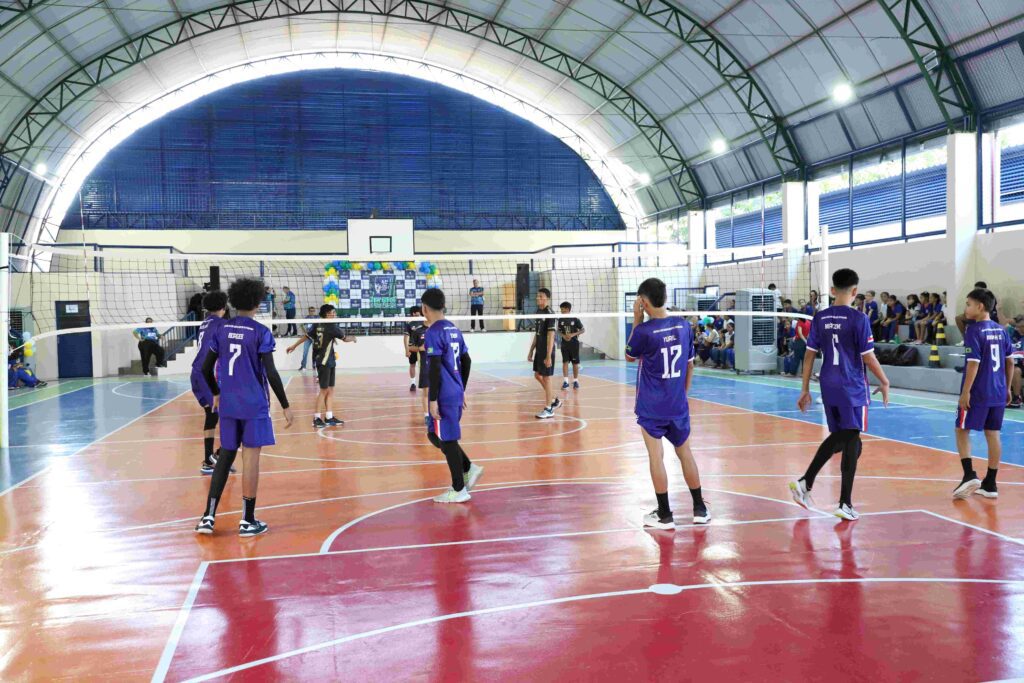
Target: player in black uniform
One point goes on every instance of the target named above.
(569, 331)
(324, 335)
(542, 353)
(413, 339)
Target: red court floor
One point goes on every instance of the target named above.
(545, 575)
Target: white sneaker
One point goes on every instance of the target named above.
(655, 522)
(801, 494)
(701, 513)
(453, 496)
(846, 512)
(966, 488)
(475, 471)
(545, 414)
(985, 493)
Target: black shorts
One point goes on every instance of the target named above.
(325, 376)
(540, 369)
(571, 353)
(413, 357)
(424, 382)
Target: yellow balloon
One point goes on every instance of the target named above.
(357, 266)
(29, 352)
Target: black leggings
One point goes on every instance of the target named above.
(148, 349)
(458, 461)
(847, 442)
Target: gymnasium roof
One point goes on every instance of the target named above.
(650, 84)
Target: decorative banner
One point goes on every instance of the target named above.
(382, 291)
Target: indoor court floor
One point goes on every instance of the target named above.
(545, 575)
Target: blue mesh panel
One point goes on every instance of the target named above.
(309, 150)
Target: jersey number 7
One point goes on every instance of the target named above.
(236, 351)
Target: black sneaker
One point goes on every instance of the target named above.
(318, 423)
(249, 529)
(205, 525)
(1014, 403)
(215, 457)
(207, 467)
(701, 514)
(334, 422)
(41, 383)
(412, 387)
(557, 403)
(968, 485)
(987, 490)
(656, 521)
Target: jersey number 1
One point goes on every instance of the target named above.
(671, 366)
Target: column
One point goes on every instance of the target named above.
(961, 215)
(797, 284)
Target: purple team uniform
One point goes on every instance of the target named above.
(444, 339)
(664, 347)
(843, 336)
(207, 331)
(987, 344)
(244, 392)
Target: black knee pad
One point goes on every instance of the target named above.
(211, 419)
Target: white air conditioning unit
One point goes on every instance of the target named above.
(755, 335)
(697, 302)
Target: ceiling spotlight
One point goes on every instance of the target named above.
(842, 93)
(718, 146)
(40, 168)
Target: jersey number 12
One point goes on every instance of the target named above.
(671, 366)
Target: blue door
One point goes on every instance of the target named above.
(74, 351)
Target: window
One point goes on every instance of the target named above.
(834, 204)
(1002, 182)
(749, 218)
(926, 187)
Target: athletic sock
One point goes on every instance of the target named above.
(990, 478)
(208, 446)
(330, 415)
(698, 498)
(663, 509)
(848, 468)
(825, 452)
(968, 468)
(316, 416)
(250, 510)
(219, 480)
(451, 452)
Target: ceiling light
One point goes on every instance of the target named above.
(718, 146)
(40, 168)
(842, 93)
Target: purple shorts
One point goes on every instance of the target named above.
(846, 417)
(676, 431)
(201, 390)
(448, 427)
(235, 432)
(984, 418)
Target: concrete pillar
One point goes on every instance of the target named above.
(991, 161)
(698, 245)
(961, 215)
(798, 282)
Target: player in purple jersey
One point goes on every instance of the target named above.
(242, 351)
(214, 303)
(449, 361)
(984, 391)
(664, 348)
(843, 335)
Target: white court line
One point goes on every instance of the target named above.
(1004, 537)
(92, 443)
(717, 585)
(580, 428)
(179, 624)
(325, 547)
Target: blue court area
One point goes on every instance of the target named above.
(60, 426)
(54, 428)
(913, 420)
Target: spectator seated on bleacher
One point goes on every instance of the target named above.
(890, 325)
(913, 307)
(709, 339)
(724, 355)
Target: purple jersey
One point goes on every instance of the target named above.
(244, 392)
(664, 347)
(207, 331)
(871, 310)
(444, 339)
(843, 335)
(987, 344)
